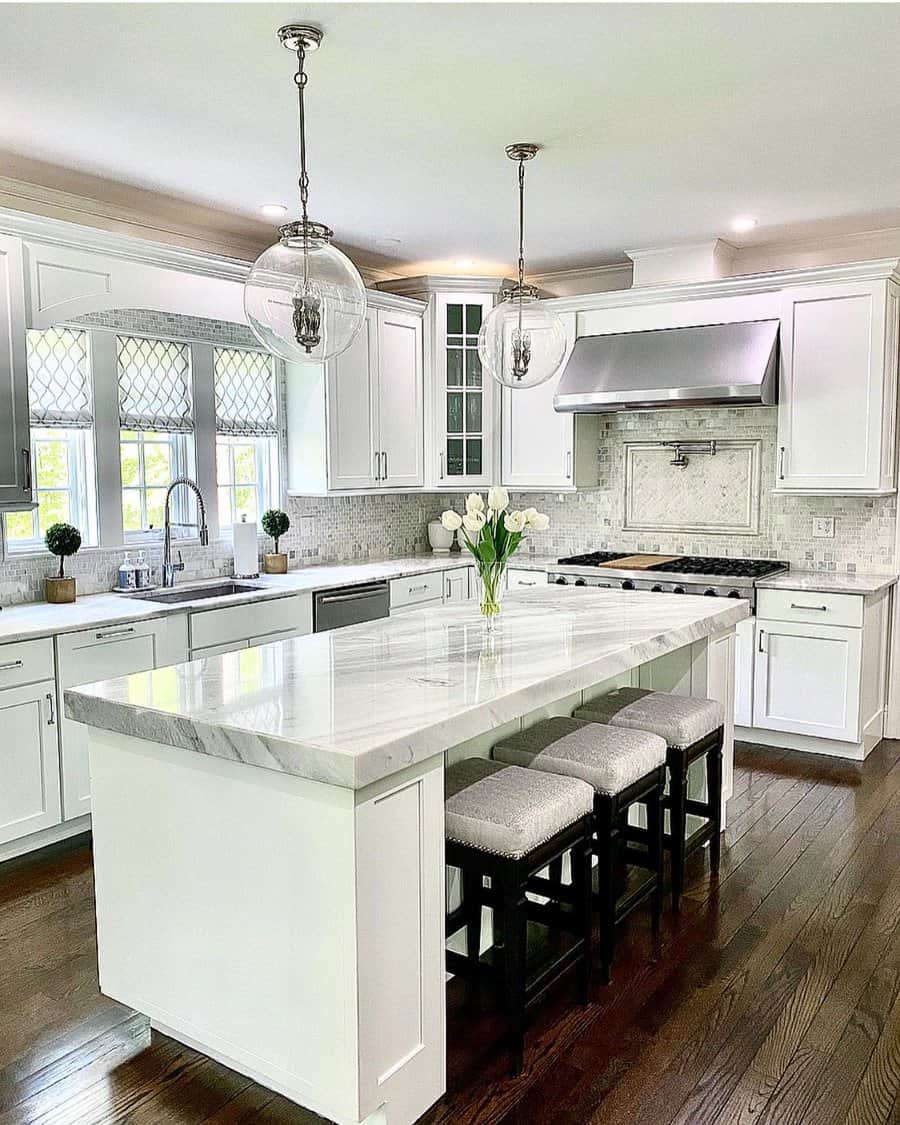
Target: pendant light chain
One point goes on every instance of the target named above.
(521, 222)
(301, 78)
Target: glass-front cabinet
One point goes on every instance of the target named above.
(465, 415)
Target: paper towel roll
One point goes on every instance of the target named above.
(246, 550)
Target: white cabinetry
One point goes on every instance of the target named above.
(360, 423)
(541, 447)
(837, 401)
(521, 577)
(457, 585)
(15, 433)
(819, 671)
(82, 658)
(29, 749)
(230, 628)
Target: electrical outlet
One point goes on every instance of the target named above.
(823, 527)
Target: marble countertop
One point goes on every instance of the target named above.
(355, 705)
(40, 619)
(820, 582)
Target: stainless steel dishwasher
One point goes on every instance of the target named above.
(349, 605)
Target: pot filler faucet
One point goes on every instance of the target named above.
(169, 568)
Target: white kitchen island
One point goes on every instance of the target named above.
(268, 824)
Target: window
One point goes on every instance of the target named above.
(156, 425)
(246, 434)
(59, 388)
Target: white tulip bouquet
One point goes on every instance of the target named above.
(493, 533)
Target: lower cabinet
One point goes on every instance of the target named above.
(520, 577)
(29, 760)
(82, 658)
(457, 585)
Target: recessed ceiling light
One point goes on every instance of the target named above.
(744, 223)
(273, 210)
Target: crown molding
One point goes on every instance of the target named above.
(436, 283)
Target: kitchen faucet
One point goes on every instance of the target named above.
(169, 568)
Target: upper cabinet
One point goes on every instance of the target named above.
(360, 423)
(15, 435)
(837, 400)
(464, 396)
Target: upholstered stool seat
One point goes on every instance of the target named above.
(507, 823)
(681, 720)
(692, 728)
(624, 768)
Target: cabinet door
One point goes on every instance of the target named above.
(835, 400)
(82, 658)
(15, 433)
(456, 585)
(401, 410)
(352, 412)
(464, 396)
(807, 679)
(29, 760)
(745, 637)
(537, 443)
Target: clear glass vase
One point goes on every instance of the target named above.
(493, 583)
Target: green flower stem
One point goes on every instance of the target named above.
(491, 575)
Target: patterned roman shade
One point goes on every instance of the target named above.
(59, 385)
(154, 385)
(245, 393)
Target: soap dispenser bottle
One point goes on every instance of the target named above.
(141, 572)
(127, 575)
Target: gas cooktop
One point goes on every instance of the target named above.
(698, 565)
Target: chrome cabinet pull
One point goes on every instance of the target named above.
(377, 465)
(442, 466)
(762, 633)
(781, 464)
(817, 608)
(569, 465)
(416, 589)
(115, 633)
(8, 667)
(52, 720)
(26, 459)
(384, 457)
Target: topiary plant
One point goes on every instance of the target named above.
(275, 523)
(64, 540)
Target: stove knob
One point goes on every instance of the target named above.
(710, 593)
(656, 589)
(733, 594)
(581, 582)
(627, 584)
(562, 581)
(678, 590)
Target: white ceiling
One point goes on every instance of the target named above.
(660, 122)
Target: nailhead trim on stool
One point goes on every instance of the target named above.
(693, 728)
(624, 768)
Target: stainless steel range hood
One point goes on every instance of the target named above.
(711, 365)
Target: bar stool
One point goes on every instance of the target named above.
(508, 823)
(693, 728)
(624, 768)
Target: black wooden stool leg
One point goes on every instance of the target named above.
(656, 849)
(608, 856)
(714, 799)
(513, 909)
(554, 870)
(678, 824)
(471, 901)
(584, 904)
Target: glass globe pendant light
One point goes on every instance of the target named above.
(521, 343)
(304, 299)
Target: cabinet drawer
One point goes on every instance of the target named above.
(417, 589)
(820, 609)
(215, 627)
(518, 577)
(26, 662)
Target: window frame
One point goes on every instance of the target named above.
(103, 468)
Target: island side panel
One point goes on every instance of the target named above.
(226, 912)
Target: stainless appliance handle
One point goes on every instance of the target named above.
(817, 608)
(329, 599)
(52, 720)
(385, 475)
(10, 665)
(115, 633)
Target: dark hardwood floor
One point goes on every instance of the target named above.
(774, 999)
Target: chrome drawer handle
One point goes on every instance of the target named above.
(12, 664)
(115, 633)
(817, 608)
(521, 583)
(52, 720)
(416, 589)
